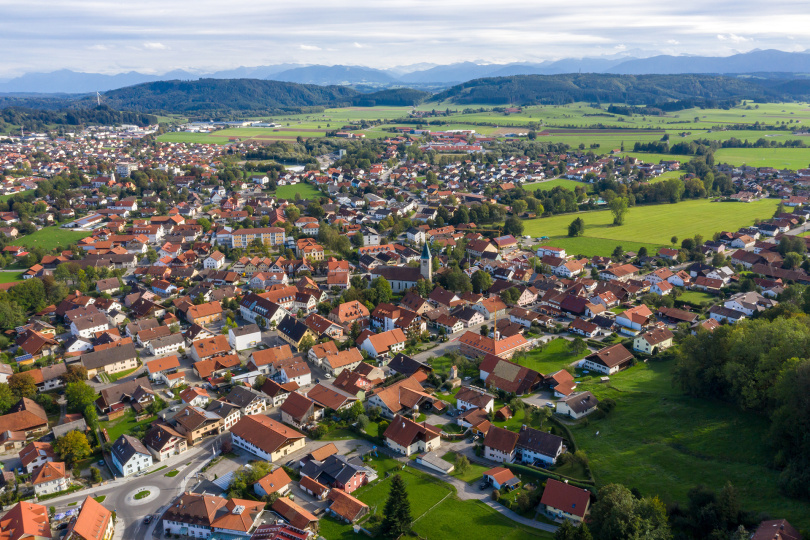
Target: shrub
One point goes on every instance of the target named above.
(496, 495)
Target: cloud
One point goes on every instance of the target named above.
(673, 42)
(310, 48)
(734, 38)
(98, 47)
(358, 45)
(155, 46)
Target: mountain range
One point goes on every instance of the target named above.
(427, 76)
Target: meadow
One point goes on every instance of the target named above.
(436, 511)
(306, 191)
(664, 443)
(652, 226)
(50, 238)
(578, 124)
(551, 358)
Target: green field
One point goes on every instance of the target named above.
(553, 357)
(782, 158)
(697, 297)
(551, 184)
(473, 473)
(123, 425)
(10, 277)
(663, 442)
(436, 511)
(652, 226)
(306, 191)
(50, 237)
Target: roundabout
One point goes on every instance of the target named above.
(142, 495)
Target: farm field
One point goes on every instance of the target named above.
(652, 226)
(305, 190)
(663, 442)
(51, 237)
(783, 158)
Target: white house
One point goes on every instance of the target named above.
(215, 261)
(50, 478)
(384, 345)
(577, 405)
(166, 345)
(88, 325)
(267, 438)
(129, 455)
(244, 337)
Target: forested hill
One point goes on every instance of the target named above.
(593, 87)
(248, 95)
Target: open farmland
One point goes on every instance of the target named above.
(652, 226)
(664, 442)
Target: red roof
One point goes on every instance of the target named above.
(565, 497)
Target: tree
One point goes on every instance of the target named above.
(616, 515)
(72, 447)
(519, 206)
(618, 207)
(95, 475)
(306, 343)
(397, 511)
(577, 346)
(618, 253)
(22, 385)
(481, 281)
(462, 463)
(75, 373)
(576, 228)
(7, 398)
(792, 260)
(513, 226)
(383, 288)
(674, 240)
(568, 531)
(79, 395)
(151, 255)
(205, 224)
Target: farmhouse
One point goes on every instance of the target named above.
(609, 360)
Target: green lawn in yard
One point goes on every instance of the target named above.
(449, 397)
(305, 190)
(552, 357)
(423, 491)
(474, 471)
(651, 226)
(373, 429)
(121, 374)
(124, 425)
(664, 442)
(452, 427)
(697, 297)
(50, 237)
(10, 277)
(442, 364)
(472, 520)
(340, 434)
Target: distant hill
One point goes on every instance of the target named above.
(327, 75)
(248, 95)
(750, 62)
(429, 75)
(631, 89)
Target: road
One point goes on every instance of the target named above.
(120, 492)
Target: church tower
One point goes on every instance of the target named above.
(426, 261)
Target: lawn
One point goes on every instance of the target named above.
(423, 492)
(663, 442)
(551, 358)
(100, 499)
(49, 238)
(305, 190)
(124, 425)
(474, 471)
(121, 374)
(10, 277)
(172, 474)
(697, 297)
(652, 226)
(472, 520)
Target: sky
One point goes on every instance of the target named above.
(156, 36)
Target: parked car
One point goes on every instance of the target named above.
(147, 520)
(482, 486)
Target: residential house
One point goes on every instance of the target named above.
(609, 360)
(130, 456)
(653, 341)
(577, 405)
(565, 501)
(266, 438)
(49, 478)
(407, 437)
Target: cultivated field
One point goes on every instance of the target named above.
(663, 442)
(652, 226)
